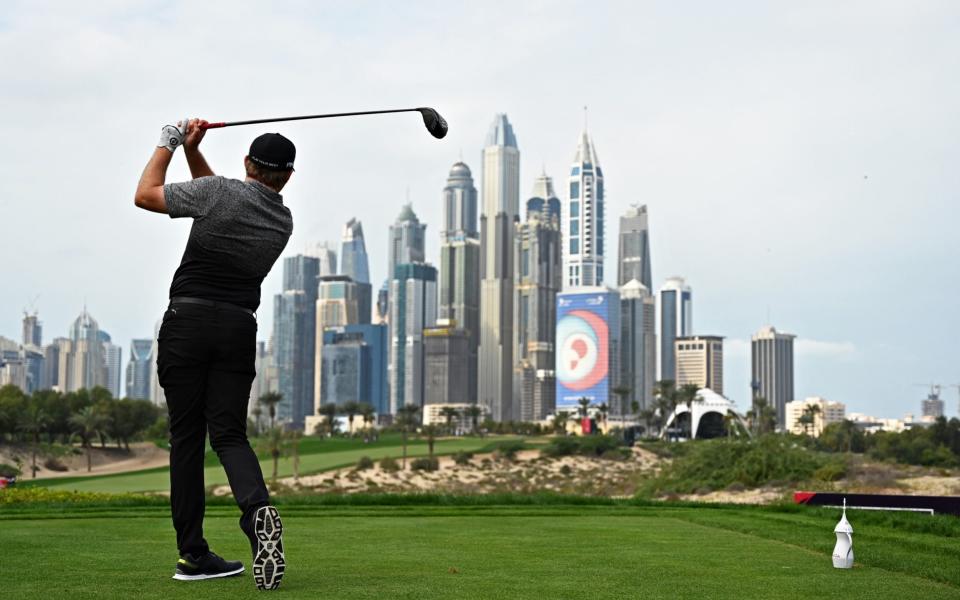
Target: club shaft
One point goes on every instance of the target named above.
(301, 118)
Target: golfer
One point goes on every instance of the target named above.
(207, 342)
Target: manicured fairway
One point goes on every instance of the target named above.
(316, 456)
(481, 552)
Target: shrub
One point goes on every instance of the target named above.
(508, 450)
(389, 465)
(562, 446)
(8, 470)
(592, 445)
(427, 463)
(364, 463)
(462, 458)
(54, 464)
(831, 471)
(566, 470)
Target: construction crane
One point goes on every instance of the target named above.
(933, 397)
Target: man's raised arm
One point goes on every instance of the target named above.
(187, 133)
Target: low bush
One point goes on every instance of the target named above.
(427, 463)
(389, 464)
(508, 450)
(832, 471)
(9, 470)
(719, 463)
(462, 458)
(55, 464)
(592, 445)
(364, 463)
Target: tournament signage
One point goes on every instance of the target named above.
(586, 326)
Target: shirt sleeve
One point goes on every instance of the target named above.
(191, 198)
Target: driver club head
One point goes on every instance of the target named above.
(435, 124)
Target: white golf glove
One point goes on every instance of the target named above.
(171, 136)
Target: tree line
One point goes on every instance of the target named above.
(88, 416)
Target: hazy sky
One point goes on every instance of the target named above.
(799, 160)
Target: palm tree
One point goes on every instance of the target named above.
(295, 443)
(687, 395)
(473, 412)
(350, 409)
(34, 421)
(813, 410)
(271, 400)
(449, 413)
(274, 443)
(622, 392)
(329, 411)
(257, 412)
(666, 398)
(560, 421)
(431, 432)
(87, 424)
(762, 417)
(584, 405)
(604, 409)
(406, 418)
(367, 414)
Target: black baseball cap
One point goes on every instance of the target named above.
(273, 151)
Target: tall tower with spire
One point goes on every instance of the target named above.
(583, 231)
(500, 207)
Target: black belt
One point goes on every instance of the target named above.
(212, 304)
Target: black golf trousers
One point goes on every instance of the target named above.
(206, 365)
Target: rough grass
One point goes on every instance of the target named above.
(474, 548)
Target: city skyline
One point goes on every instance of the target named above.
(733, 169)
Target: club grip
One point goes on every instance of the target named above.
(214, 125)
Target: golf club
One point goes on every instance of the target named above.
(434, 123)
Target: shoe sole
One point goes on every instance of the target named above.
(185, 577)
(268, 562)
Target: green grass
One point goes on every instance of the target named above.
(547, 549)
(316, 455)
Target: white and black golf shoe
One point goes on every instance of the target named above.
(268, 560)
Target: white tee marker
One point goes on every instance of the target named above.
(843, 551)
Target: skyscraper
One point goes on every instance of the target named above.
(583, 224)
(700, 361)
(355, 365)
(638, 347)
(633, 261)
(338, 304)
(446, 363)
(407, 240)
(294, 334)
(772, 369)
(82, 364)
(32, 330)
(501, 200)
(460, 267)
(353, 264)
(537, 272)
(588, 347)
(353, 253)
(413, 307)
(327, 257)
(138, 369)
(676, 320)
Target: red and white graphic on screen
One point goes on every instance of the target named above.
(583, 339)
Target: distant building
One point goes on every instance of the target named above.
(500, 207)
(434, 414)
(21, 366)
(113, 359)
(638, 347)
(51, 365)
(583, 219)
(338, 304)
(676, 320)
(772, 369)
(537, 279)
(407, 240)
(825, 413)
(700, 361)
(460, 265)
(413, 308)
(354, 265)
(138, 369)
(294, 335)
(633, 260)
(931, 407)
(354, 367)
(32, 330)
(82, 363)
(327, 265)
(446, 350)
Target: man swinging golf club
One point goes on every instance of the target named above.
(207, 341)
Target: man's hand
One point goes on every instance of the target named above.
(195, 133)
(172, 136)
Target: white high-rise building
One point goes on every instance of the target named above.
(676, 320)
(500, 207)
(824, 414)
(633, 259)
(413, 308)
(583, 221)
